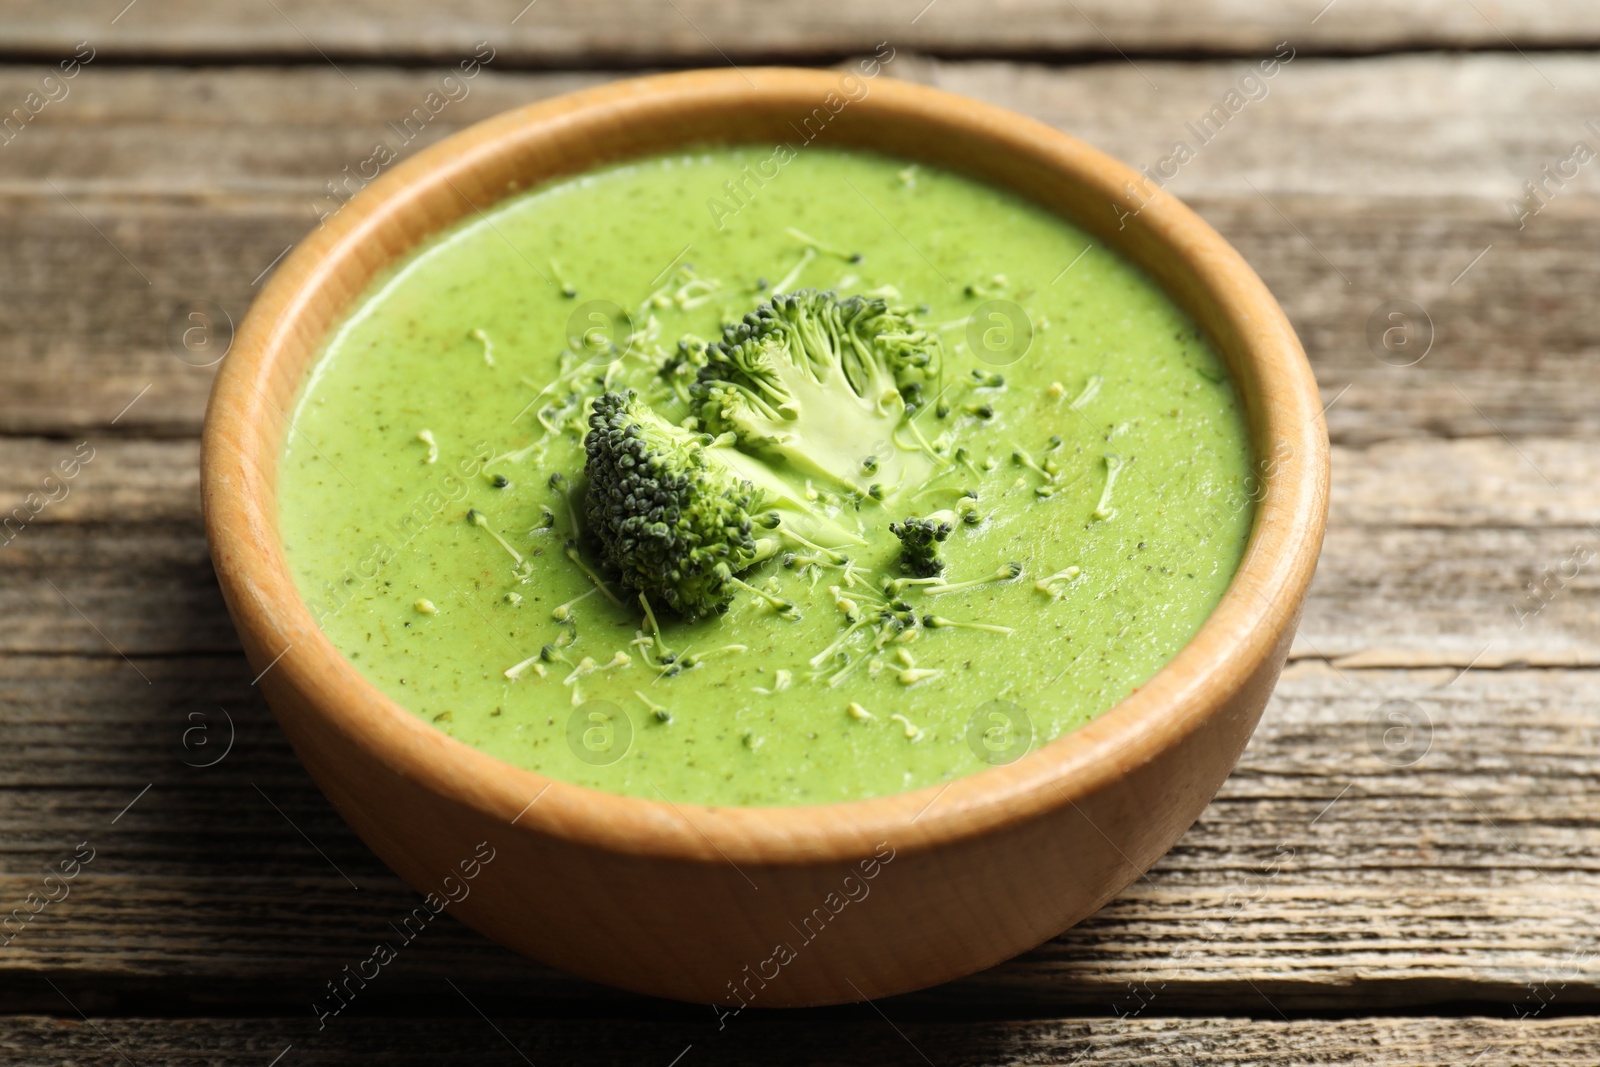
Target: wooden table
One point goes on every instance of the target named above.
(1405, 867)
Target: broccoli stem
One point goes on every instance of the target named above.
(784, 607)
(655, 627)
(787, 534)
(922, 444)
(516, 670)
(1053, 586)
(563, 485)
(666, 666)
(957, 490)
(659, 711)
(482, 338)
(696, 658)
(838, 643)
(795, 561)
(1114, 465)
(1006, 572)
(587, 666)
(781, 680)
(572, 554)
(568, 290)
(893, 586)
(476, 518)
(1020, 456)
(837, 678)
(838, 253)
(427, 438)
(938, 621)
(911, 730)
(1091, 389)
(786, 283)
(563, 612)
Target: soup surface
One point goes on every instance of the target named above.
(1101, 447)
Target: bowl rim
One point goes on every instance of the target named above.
(244, 428)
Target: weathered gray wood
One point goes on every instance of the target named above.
(122, 591)
(104, 480)
(570, 32)
(1456, 862)
(860, 1037)
(1434, 127)
(1396, 170)
(1490, 371)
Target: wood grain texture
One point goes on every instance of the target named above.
(571, 32)
(860, 1038)
(1467, 876)
(1451, 861)
(1428, 152)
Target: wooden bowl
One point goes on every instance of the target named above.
(769, 906)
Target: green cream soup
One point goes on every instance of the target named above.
(1095, 425)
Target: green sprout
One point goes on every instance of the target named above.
(1005, 573)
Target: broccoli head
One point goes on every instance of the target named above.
(677, 512)
(817, 381)
(674, 523)
(919, 545)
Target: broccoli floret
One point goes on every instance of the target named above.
(820, 382)
(919, 545)
(677, 512)
(671, 522)
(680, 369)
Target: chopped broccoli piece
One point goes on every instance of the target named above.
(818, 381)
(919, 545)
(676, 512)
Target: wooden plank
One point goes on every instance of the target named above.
(857, 1037)
(569, 32)
(1428, 127)
(129, 591)
(202, 178)
(1465, 874)
(112, 481)
(1433, 127)
(1330, 858)
(1342, 205)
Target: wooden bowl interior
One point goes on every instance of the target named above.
(470, 172)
